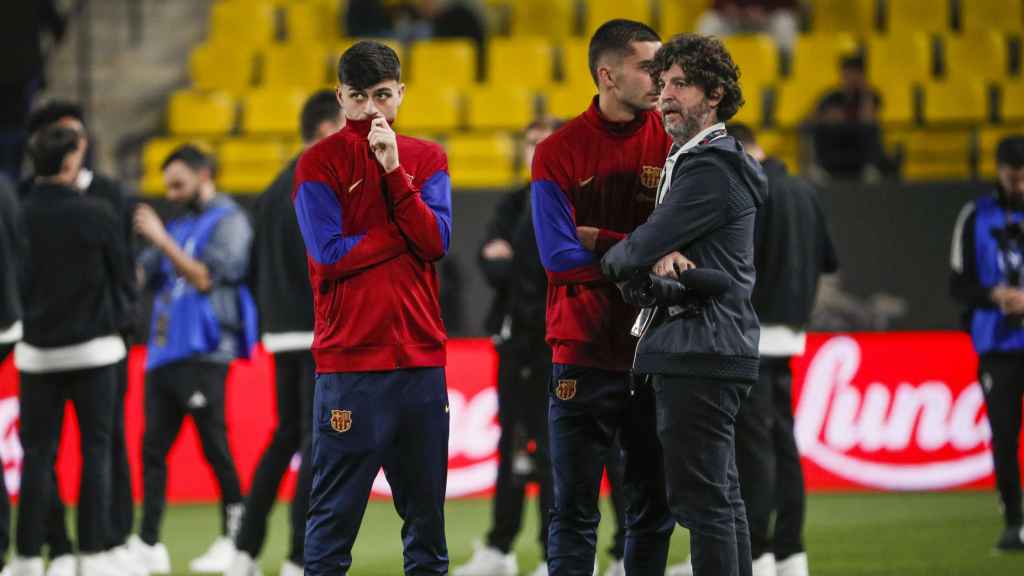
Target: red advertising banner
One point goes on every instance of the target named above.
(876, 411)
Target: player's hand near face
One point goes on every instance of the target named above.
(383, 143)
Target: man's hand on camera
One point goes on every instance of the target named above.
(671, 265)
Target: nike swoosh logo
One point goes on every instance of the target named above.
(585, 182)
(353, 187)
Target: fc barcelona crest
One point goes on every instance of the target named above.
(649, 176)
(341, 420)
(566, 390)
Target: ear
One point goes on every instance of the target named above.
(337, 94)
(715, 97)
(605, 77)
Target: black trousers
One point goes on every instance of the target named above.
(294, 374)
(696, 419)
(189, 387)
(42, 398)
(122, 508)
(523, 417)
(589, 410)
(771, 480)
(1002, 381)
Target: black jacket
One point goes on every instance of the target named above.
(10, 238)
(499, 273)
(792, 248)
(279, 271)
(708, 215)
(73, 267)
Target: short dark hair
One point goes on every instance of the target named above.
(742, 132)
(617, 36)
(707, 64)
(50, 147)
(52, 112)
(321, 107)
(193, 157)
(368, 63)
(1010, 151)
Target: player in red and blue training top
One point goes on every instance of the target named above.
(594, 181)
(373, 227)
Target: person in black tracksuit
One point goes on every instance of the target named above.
(102, 187)
(792, 249)
(69, 279)
(703, 364)
(285, 302)
(987, 260)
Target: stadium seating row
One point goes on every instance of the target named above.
(490, 159)
(306, 20)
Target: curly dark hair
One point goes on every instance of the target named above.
(707, 64)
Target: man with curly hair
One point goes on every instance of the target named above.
(701, 365)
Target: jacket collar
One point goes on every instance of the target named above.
(595, 118)
(360, 127)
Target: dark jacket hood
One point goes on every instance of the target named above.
(748, 169)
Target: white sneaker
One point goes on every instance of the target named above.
(540, 570)
(217, 557)
(63, 565)
(795, 565)
(597, 567)
(98, 564)
(684, 569)
(243, 565)
(488, 561)
(154, 559)
(21, 566)
(617, 568)
(289, 568)
(764, 565)
(126, 562)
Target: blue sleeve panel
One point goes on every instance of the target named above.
(555, 226)
(319, 214)
(437, 194)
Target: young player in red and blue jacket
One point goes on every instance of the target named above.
(374, 209)
(594, 181)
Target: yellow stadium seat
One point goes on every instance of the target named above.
(988, 141)
(829, 16)
(1012, 101)
(816, 59)
(302, 65)
(985, 15)
(965, 101)
(757, 57)
(897, 103)
(782, 145)
(899, 57)
(243, 22)
(678, 17)
(795, 103)
(481, 160)
(524, 61)
(555, 19)
(568, 101)
(199, 113)
(454, 61)
(575, 62)
(222, 66)
(600, 11)
(249, 165)
(752, 112)
(273, 110)
(935, 154)
(931, 16)
(977, 55)
(429, 107)
(491, 107)
(309, 21)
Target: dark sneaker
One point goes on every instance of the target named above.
(1012, 540)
